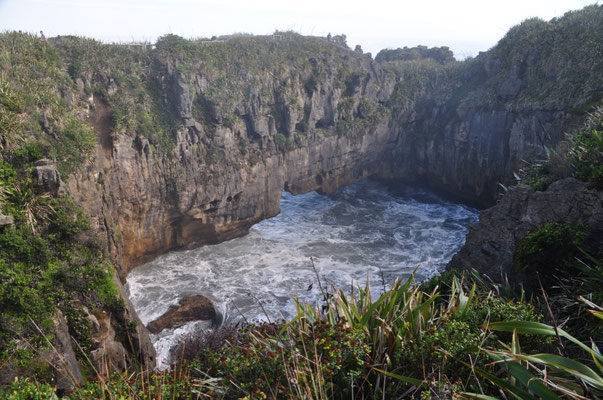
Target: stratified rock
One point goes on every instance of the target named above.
(491, 242)
(48, 177)
(192, 308)
(138, 335)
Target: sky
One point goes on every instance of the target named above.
(466, 26)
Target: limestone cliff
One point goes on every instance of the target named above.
(492, 243)
(242, 134)
(250, 116)
(469, 126)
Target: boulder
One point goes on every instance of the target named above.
(192, 308)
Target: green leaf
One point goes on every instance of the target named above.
(529, 381)
(537, 328)
(407, 379)
(478, 396)
(573, 367)
(501, 383)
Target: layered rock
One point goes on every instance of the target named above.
(251, 116)
(6, 219)
(231, 162)
(469, 127)
(48, 179)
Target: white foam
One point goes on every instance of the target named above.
(364, 230)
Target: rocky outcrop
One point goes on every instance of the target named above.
(191, 308)
(48, 178)
(248, 117)
(491, 243)
(467, 128)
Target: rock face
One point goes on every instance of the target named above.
(252, 116)
(469, 157)
(232, 158)
(491, 242)
(191, 308)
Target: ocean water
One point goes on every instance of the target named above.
(369, 230)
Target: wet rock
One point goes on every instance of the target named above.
(192, 308)
(491, 242)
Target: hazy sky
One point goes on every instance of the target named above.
(466, 26)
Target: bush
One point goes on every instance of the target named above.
(25, 389)
(552, 247)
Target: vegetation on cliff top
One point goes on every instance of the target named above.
(537, 65)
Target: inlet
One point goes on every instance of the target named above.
(369, 230)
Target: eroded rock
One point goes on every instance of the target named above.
(491, 242)
(109, 354)
(62, 358)
(191, 308)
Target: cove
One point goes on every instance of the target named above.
(368, 230)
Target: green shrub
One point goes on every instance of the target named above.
(25, 389)
(324, 356)
(549, 248)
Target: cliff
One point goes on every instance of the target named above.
(466, 127)
(243, 118)
(494, 244)
(192, 142)
(248, 116)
